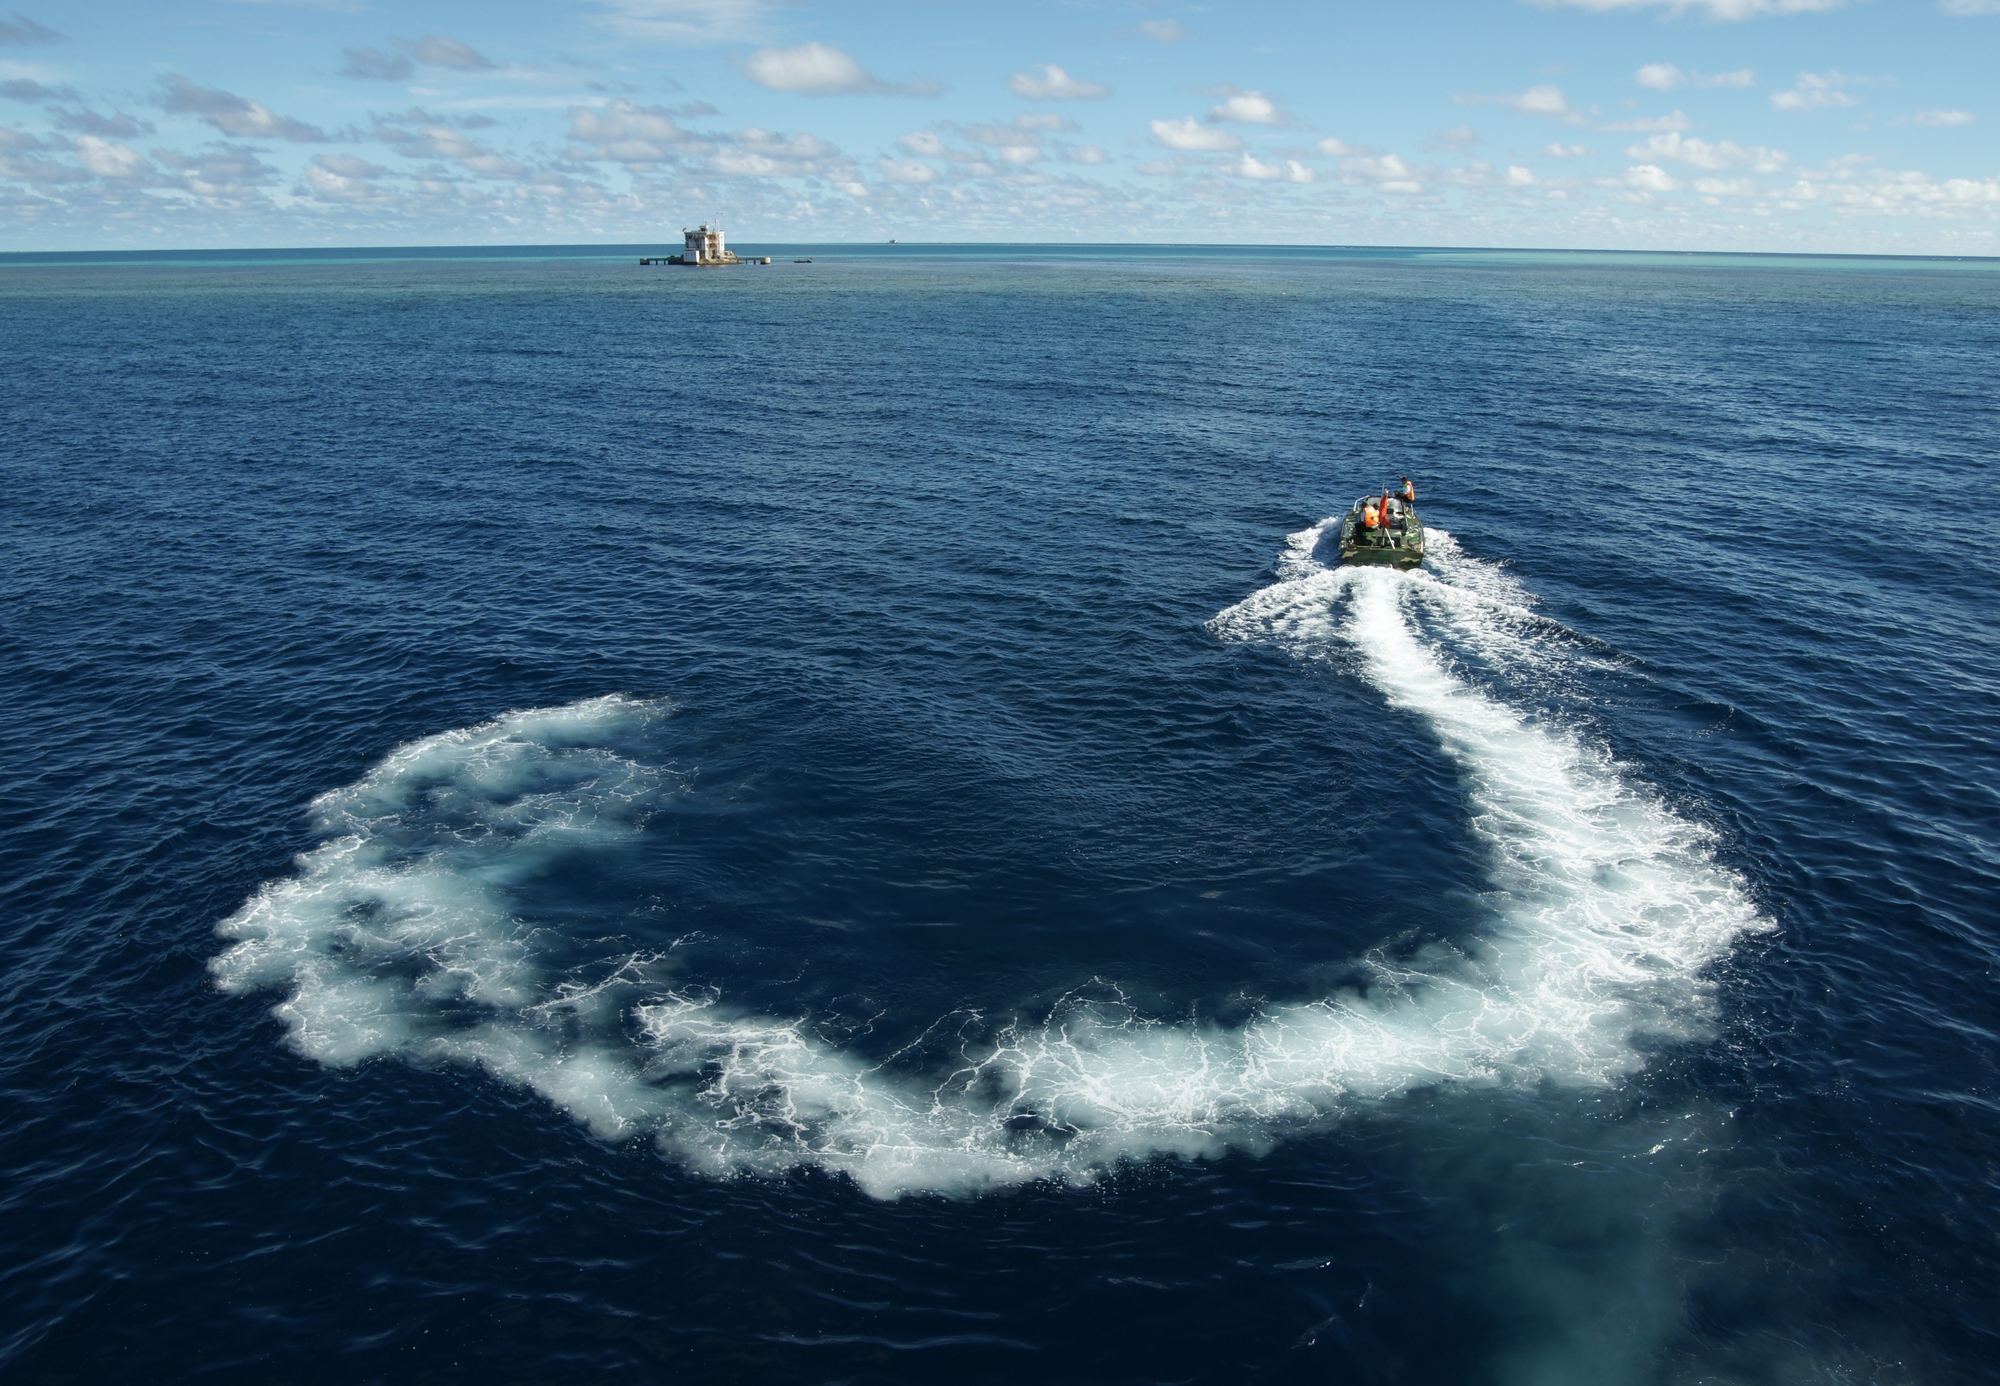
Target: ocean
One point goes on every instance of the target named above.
(841, 822)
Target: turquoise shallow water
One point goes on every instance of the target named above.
(833, 823)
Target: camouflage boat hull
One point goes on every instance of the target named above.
(1401, 548)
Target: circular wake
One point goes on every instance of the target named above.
(407, 934)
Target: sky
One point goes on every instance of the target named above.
(1760, 125)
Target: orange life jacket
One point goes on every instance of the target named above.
(1370, 517)
(1409, 494)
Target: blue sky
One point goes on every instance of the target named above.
(1814, 125)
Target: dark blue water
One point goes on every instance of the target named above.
(834, 823)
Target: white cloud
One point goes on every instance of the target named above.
(1519, 177)
(687, 21)
(1565, 151)
(1651, 178)
(373, 65)
(1717, 9)
(925, 143)
(1965, 9)
(1249, 107)
(348, 166)
(1091, 154)
(1897, 193)
(1340, 147)
(1387, 174)
(814, 69)
(1676, 121)
(765, 155)
(907, 171)
(108, 160)
(1458, 137)
(1291, 171)
(1041, 120)
(344, 178)
(1939, 118)
(1054, 85)
(439, 51)
(1816, 91)
(1666, 77)
(233, 115)
(1163, 30)
(427, 137)
(1546, 100)
(1542, 101)
(624, 132)
(1191, 135)
(1697, 153)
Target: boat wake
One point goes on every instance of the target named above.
(404, 935)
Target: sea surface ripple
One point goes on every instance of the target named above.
(842, 823)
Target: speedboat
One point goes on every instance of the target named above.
(1399, 543)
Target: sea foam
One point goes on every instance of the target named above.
(397, 937)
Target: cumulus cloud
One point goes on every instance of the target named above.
(1385, 173)
(109, 160)
(1291, 171)
(1170, 30)
(1190, 135)
(435, 50)
(1660, 76)
(1249, 107)
(420, 135)
(345, 178)
(1520, 176)
(1816, 91)
(1723, 154)
(21, 29)
(1458, 137)
(1651, 178)
(117, 125)
(373, 65)
(623, 132)
(1546, 100)
(766, 154)
(1560, 150)
(924, 142)
(234, 115)
(349, 166)
(819, 69)
(1938, 118)
(1054, 84)
(1715, 9)
(1886, 193)
(907, 170)
(226, 175)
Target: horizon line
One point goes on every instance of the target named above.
(1199, 246)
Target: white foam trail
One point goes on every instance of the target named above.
(398, 937)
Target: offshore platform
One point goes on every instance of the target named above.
(703, 246)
